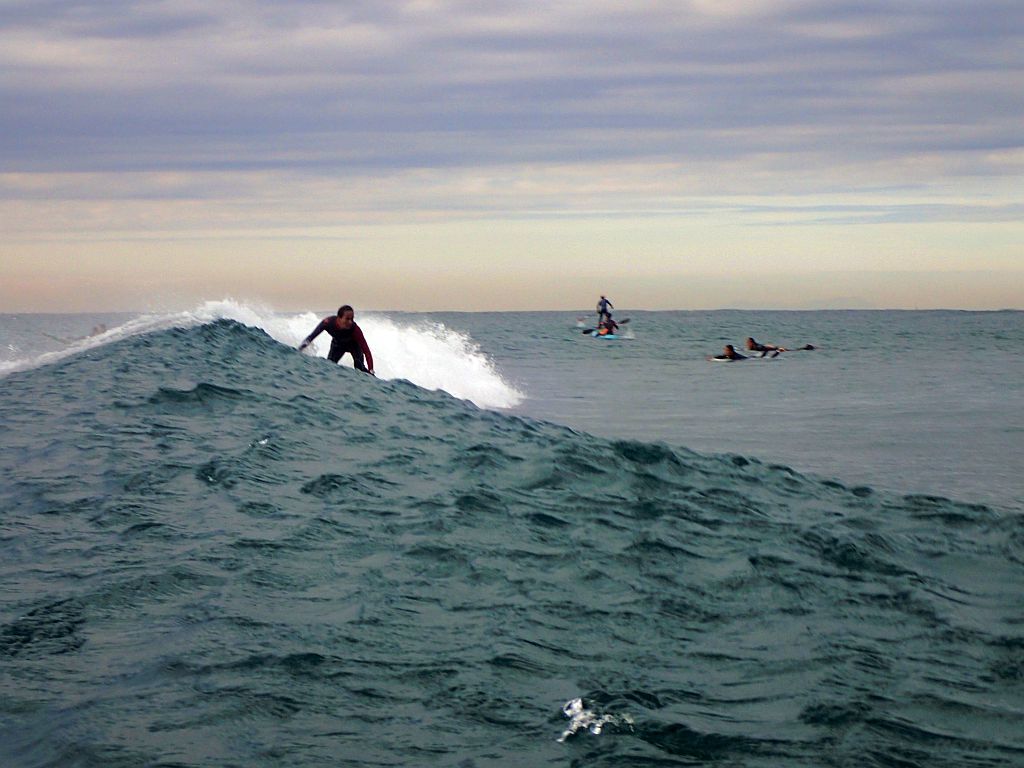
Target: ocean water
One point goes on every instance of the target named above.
(518, 546)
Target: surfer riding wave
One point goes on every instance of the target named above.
(346, 336)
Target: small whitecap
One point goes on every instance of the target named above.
(583, 719)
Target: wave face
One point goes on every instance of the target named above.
(216, 551)
(425, 353)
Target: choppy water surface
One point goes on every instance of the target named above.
(215, 551)
(923, 402)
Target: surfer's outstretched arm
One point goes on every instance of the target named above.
(320, 328)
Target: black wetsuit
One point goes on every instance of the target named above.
(344, 340)
(734, 355)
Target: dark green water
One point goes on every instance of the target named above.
(215, 553)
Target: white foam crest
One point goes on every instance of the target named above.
(429, 355)
(583, 719)
(434, 356)
(148, 323)
(134, 327)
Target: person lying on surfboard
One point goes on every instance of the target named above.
(765, 349)
(346, 336)
(729, 353)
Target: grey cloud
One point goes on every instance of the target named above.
(110, 19)
(895, 213)
(316, 85)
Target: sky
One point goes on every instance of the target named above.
(431, 155)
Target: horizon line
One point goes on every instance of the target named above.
(585, 312)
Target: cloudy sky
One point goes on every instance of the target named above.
(438, 154)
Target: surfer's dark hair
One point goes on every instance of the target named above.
(345, 308)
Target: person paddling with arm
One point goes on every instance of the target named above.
(771, 350)
(766, 350)
(346, 336)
